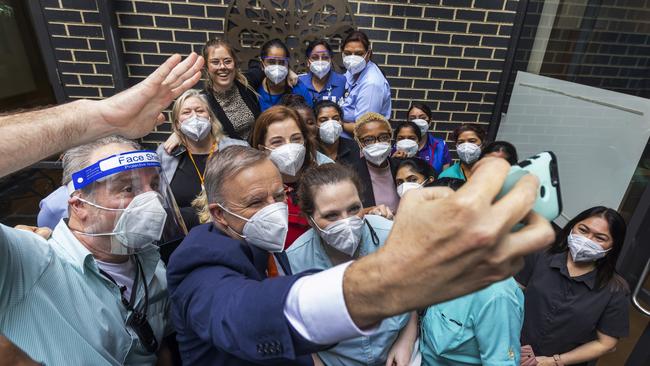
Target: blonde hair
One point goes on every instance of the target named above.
(217, 128)
(370, 117)
(200, 206)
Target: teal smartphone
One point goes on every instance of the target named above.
(544, 167)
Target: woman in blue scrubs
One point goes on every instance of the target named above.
(275, 62)
(367, 87)
(322, 82)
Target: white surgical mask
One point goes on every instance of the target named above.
(468, 152)
(409, 146)
(584, 249)
(423, 124)
(320, 68)
(276, 73)
(407, 186)
(330, 131)
(267, 229)
(354, 63)
(141, 222)
(196, 128)
(377, 153)
(288, 158)
(343, 235)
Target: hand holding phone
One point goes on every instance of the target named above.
(544, 167)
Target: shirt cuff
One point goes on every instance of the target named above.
(316, 309)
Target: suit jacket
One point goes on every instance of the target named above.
(224, 308)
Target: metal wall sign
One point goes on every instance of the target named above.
(250, 23)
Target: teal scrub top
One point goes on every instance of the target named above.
(307, 253)
(481, 328)
(453, 171)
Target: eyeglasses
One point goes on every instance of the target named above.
(369, 140)
(227, 62)
(320, 56)
(270, 60)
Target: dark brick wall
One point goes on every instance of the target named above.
(604, 46)
(447, 53)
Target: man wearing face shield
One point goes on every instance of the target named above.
(95, 292)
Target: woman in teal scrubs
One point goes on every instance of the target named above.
(329, 197)
(481, 328)
(469, 143)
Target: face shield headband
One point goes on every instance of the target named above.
(129, 206)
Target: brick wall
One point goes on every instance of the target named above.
(605, 45)
(447, 53)
(79, 48)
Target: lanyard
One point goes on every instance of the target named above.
(138, 320)
(198, 172)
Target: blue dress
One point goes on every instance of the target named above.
(267, 100)
(307, 252)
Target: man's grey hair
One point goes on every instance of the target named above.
(78, 157)
(226, 164)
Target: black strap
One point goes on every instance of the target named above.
(373, 234)
(130, 304)
(138, 320)
(228, 128)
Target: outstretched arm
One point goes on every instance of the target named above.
(26, 138)
(422, 265)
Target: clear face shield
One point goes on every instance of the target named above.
(126, 206)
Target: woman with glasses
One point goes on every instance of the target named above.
(367, 88)
(322, 82)
(275, 61)
(373, 133)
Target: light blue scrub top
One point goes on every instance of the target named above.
(479, 328)
(307, 253)
(453, 171)
(369, 93)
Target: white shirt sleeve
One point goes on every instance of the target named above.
(316, 309)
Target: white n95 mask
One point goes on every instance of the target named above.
(407, 186)
(141, 222)
(343, 235)
(267, 229)
(288, 158)
(330, 131)
(196, 128)
(354, 63)
(409, 146)
(584, 249)
(276, 73)
(468, 152)
(320, 68)
(377, 153)
(422, 124)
